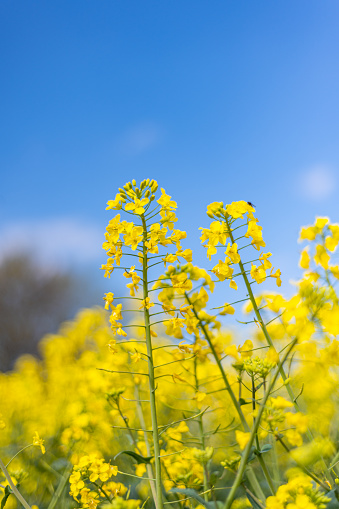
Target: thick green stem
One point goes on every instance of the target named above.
(260, 458)
(149, 468)
(15, 490)
(201, 434)
(151, 379)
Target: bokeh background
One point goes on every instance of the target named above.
(217, 101)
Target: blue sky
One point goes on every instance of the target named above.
(221, 100)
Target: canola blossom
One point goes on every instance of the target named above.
(152, 400)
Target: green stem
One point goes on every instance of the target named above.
(248, 447)
(15, 490)
(220, 366)
(260, 320)
(152, 387)
(310, 474)
(201, 434)
(149, 468)
(250, 474)
(260, 458)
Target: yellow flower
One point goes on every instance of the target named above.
(39, 442)
(232, 252)
(109, 298)
(135, 357)
(228, 310)
(277, 275)
(166, 202)
(238, 208)
(138, 206)
(322, 257)
(116, 203)
(146, 303)
(222, 270)
(242, 438)
(258, 273)
(305, 259)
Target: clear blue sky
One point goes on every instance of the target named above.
(217, 100)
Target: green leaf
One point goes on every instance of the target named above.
(242, 401)
(7, 494)
(214, 477)
(266, 448)
(333, 504)
(189, 492)
(138, 458)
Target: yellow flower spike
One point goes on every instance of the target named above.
(305, 259)
(39, 442)
(242, 438)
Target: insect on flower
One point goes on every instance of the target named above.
(251, 204)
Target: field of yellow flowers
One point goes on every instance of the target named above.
(152, 402)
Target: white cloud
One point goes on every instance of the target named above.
(140, 138)
(317, 183)
(55, 242)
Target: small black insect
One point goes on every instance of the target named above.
(251, 204)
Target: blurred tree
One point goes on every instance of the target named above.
(33, 302)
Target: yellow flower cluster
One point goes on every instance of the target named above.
(224, 228)
(298, 493)
(89, 471)
(253, 406)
